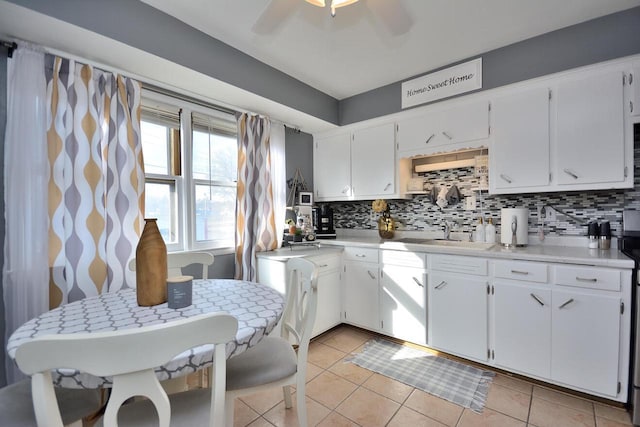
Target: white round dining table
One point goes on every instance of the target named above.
(258, 309)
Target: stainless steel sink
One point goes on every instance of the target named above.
(447, 243)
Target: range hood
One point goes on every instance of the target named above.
(476, 158)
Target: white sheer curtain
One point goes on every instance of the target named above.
(279, 177)
(25, 274)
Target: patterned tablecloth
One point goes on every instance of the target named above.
(258, 309)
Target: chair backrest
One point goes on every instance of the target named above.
(175, 262)
(302, 302)
(129, 356)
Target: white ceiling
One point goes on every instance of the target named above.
(355, 51)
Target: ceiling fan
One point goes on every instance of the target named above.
(391, 12)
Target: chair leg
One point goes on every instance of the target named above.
(228, 410)
(286, 390)
(301, 402)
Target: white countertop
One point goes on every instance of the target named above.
(559, 251)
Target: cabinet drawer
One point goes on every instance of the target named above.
(326, 264)
(526, 271)
(459, 264)
(587, 277)
(355, 253)
(407, 259)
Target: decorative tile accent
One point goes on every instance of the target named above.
(419, 214)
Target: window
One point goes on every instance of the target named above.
(190, 158)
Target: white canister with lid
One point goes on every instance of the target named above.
(514, 226)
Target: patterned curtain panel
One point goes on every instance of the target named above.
(96, 183)
(255, 228)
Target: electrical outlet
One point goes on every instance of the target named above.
(470, 203)
(550, 214)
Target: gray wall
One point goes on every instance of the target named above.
(3, 120)
(612, 36)
(299, 152)
(139, 25)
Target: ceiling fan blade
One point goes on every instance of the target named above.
(393, 14)
(276, 12)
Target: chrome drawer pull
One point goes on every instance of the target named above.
(429, 139)
(519, 272)
(361, 255)
(535, 297)
(447, 135)
(371, 274)
(572, 174)
(441, 285)
(566, 303)
(583, 279)
(323, 265)
(506, 178)
(418, 282)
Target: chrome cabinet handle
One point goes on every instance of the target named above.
(506, 178)
(441, 285)
(631, 106)
(585, 279)
(323, 265)
(361, 255)
(447, 135)
(571, 174)
(519, 272)
(387, 187)
(418, 282)
(429, 139)
(345, 190)
(371, 274)
(566, 303)
(535, 297)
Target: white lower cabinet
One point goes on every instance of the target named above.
(585, 340)
(361, 287)
(522, 327)
(403, 296)
(458, 314)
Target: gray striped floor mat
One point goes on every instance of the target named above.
(456, 382)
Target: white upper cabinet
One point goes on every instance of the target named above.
(332, 168)
(359, 166)
(444, 130)
(373, 163)
(634, 83)
(590, 133)
(519, 147)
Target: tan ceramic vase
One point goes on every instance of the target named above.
(151, 266)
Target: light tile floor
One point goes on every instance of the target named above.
(343, 394)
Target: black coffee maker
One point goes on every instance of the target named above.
(323, 222)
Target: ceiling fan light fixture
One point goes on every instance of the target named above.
(319, 3)
(339, 3)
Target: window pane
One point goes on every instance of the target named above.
(155, 147)
(215, 213)
(215, 157)
(159, 201)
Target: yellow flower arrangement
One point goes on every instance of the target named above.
(379, 205)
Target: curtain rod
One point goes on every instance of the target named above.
(11, 46)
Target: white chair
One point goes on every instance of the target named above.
(129, 357)
(176, 261)
(16, 406)
(273, 362)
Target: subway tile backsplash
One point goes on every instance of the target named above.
(419, 214)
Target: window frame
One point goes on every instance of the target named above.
(185, 183)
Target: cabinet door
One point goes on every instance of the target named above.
(329, 302)
(522, 328)
(403, 299)
(458, 314)
(332, 168)
(361, 298)
(520, 141)
(590, 130)
(434, 131)
(585, 340)
(373, 162)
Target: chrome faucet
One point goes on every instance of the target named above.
(447, 230)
